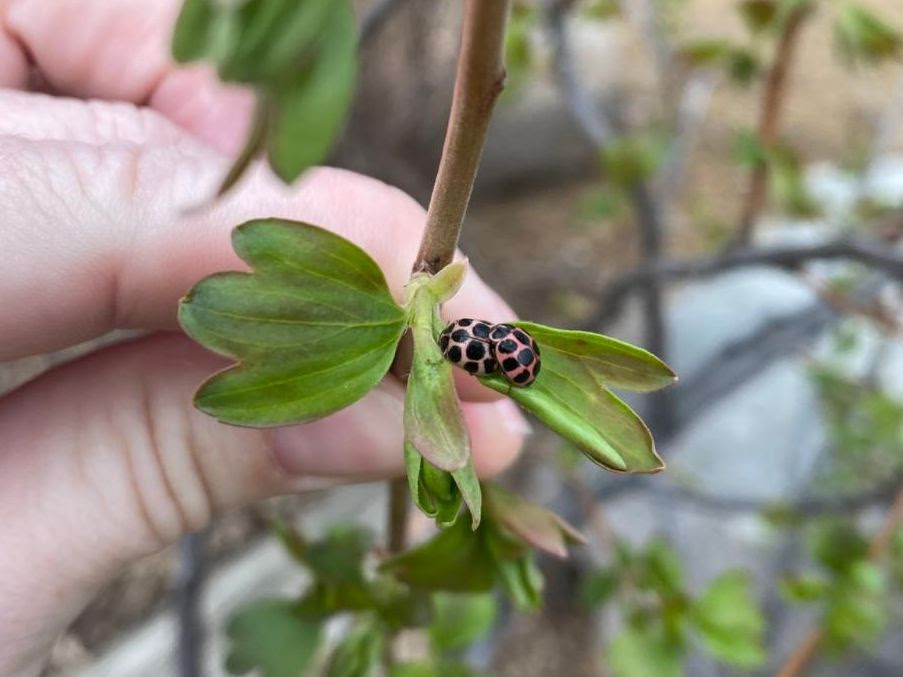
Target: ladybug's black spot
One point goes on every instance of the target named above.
(500, 331)
(454, 353)
(522, 377)
(475, 350)
(525, 357)
(481, 330)
(521, 336)
(460, 335)
(443, 342)
(510, 364)
(472, 367)
(490, 366)
(466, 322)
(536, 368)
(506, 346)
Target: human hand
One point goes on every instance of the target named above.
(104, 459)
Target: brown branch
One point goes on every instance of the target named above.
(875, 254)
(773, 97)
(397, 519)
(479, 81)
(802, 656)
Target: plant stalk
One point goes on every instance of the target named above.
(773, 97)
(479, 80)
(797, 663)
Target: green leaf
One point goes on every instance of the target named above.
(838, 545)
(864, 37)
(600, 586)
(571, 395)
(456, 560)
(759, 15)
(743, 66)
(857, 609)
(272, 637)
(359, 654)
(660, 569)
(439, 493)
(460, 620)
(300, 56)
(522, 580)
(536, 525)
(628, 160)
(433, 423)
(309, 108)
(729, 622)
(314, 326)
(805, 588)
(446, 283)
(338, 557)
(643, 652)
(705, 52)
(616, 363)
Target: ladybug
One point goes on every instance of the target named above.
(466, 343)
(517, 354)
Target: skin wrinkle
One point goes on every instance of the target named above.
(151, 427)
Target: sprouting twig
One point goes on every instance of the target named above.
(773, 96)
(479, 80)
(802, 656)
(398, 516)
(871, 253)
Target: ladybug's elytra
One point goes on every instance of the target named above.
(480, 347)
(466, 343)
(517, 354)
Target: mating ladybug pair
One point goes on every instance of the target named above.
(479, 347)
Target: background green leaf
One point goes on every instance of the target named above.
(643, 652)
(459, 620)
(729, 622)
(536, 525)
(314, 326)
(272, 637)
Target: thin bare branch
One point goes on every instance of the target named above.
(774, 94)
(873, 254)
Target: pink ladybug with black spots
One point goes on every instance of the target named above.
(481, 348)
(517, 354)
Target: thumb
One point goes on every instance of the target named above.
(106, 461)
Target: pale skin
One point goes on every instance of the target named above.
(104, 460)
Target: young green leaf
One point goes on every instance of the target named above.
(460, 620)
(359, 654)
(759, 15)
(536, 525)
(864, 37)
(456, 560)
(300, 57)
(571, 395)
(273, 638)
(642, 652)
(729, 623)
(446, 283)
(309, 107)
(433, 424)
(313, 326)
(615, 363)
